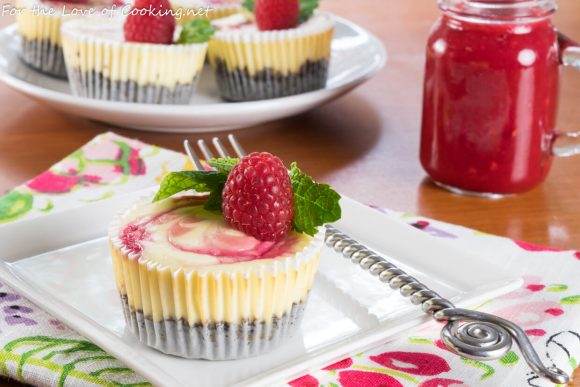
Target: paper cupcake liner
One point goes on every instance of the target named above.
(95, 85)
(44, 56)
(253, 65)
(221, 312)
(213, 341)
(40, 43)
(132, 72)
(239, 85)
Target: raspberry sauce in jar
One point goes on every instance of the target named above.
(490, 95)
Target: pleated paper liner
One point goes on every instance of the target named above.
(40, 46)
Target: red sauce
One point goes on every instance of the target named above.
(490, 102)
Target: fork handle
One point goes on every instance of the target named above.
(475, 335)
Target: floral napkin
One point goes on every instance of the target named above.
(37, 348)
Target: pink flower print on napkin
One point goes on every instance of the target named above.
(49, 182)
(345, 363)
(128, 160)
(305, 381)
(532, 284)
(366, 379)
(423, 225)
(98, 163)
(105, 174)
(535, 287)
(136, 163)
(535, 332)
(442, 382)
(52, 183)
(535, 248)
(531, 314)
(416, 363)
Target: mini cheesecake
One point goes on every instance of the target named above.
(251, 64)
(102, 65)
(193, 286)
(38, 23)
(186, 10)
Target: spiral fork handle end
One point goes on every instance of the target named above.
(482, 336)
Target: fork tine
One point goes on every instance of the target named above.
(207, 154)
(192, 156)
(240, 152)
(220, 147)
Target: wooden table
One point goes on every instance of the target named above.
(365, 144)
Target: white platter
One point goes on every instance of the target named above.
(356, 56)
(348, 310)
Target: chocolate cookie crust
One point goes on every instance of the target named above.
(92, 84)
(44, 56)
(215, 340)
(239, 85)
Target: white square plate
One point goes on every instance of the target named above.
(67, 271)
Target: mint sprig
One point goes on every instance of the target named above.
(224, 164)
(249, 5)
(196, 31)
(307, 8)
(199, 181)
(315, 204)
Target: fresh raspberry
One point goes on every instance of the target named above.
(150, 21)
(257, 197)
(277, 14)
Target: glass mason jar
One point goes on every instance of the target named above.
(491, 95)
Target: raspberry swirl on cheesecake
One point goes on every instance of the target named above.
(186, 234)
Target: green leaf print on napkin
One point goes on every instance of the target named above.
(557, 288)
(13, 205)
(509, 359)
(572, 300)
(43, 351)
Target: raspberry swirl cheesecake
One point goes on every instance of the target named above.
(204, 279)
(38, 23)
(139, 58)
(281, 48)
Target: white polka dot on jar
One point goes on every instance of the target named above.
(527, 57)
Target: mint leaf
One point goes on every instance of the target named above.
(224, 164)
(196, 31)
(199, 181)
(307, 8)
(249, 5)
(314, 204)
(214, 201)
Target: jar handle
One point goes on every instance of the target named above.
(567, 144)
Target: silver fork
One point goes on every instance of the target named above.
(468, 333)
